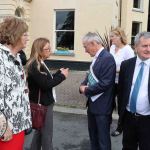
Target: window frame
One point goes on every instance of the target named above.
(66, 52)
(140, 27)
(140, 8)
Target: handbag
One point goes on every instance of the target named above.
(38, 114)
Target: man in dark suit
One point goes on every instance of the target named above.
(134, 96)
(98, 88)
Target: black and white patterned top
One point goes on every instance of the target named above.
(14, 99)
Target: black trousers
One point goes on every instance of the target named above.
(116, 104)
(136, 132)
(99, 131)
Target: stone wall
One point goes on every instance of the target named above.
(68, 91)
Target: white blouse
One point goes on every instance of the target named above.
(123, 54)
(14, 99)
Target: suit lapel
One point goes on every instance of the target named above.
(149, 87)
(98, 58)
(131, 71)
(129, 76)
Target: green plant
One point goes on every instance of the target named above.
(62, 48)
(105, 39)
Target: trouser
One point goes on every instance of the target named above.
(43, 138)
(99, 131)
(136, 132)
(115, 104)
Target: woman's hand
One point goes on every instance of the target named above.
(8, 135)
(65, 71)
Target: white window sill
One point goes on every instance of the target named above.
(138, 10)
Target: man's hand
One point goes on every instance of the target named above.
(82, 88)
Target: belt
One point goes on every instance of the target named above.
(136, 115)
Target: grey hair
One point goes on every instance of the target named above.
(145, 35)
(92, 36)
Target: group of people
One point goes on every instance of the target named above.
(125, 76)
(113, 76)
(14, 90)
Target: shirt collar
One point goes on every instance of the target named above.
(138, 61)
(4, 48)
(98, 52)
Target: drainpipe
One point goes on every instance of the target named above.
(120, 12)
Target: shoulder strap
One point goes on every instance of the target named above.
(53, 89)
(42, 62)
(93, 75)
(39, 96)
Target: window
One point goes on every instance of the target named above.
(136, 26)
(137, 4)
(64, 30)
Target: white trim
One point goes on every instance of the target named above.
(138, 10)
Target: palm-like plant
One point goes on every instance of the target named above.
(105, 39)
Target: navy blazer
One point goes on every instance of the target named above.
(42, 82)
(125, 83)
(104, 69)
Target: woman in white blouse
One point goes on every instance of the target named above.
(121, 51)
(14, 101)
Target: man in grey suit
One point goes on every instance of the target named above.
(98, 88)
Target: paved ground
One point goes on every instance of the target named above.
(71, 133)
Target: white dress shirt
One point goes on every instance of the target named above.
(142, 104)
(96, 55)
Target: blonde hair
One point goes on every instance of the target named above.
(11, 30)
(119, 32)
(36, 50)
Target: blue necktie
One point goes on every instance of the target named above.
(136, 88)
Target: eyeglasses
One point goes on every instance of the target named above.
(45, 49)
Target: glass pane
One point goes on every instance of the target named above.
(64, 40)
(64, 20)
(136, 4)
(135, 28)
(132, 41)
